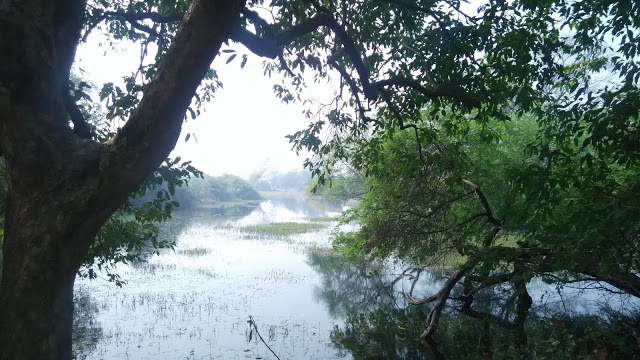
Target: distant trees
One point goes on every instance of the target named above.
(295, 180)
(339, 187)
(219, 189)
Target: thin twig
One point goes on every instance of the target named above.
(252, 323)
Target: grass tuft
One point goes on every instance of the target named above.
(194, 252)
(323, 219)
(283, 229)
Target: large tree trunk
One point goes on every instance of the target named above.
(63, 188)
(37, 293)
(48, 232)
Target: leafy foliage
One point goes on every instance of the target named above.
(131, 234)
(503, 134)
(426, 90)
(419, 206)
(339, 188)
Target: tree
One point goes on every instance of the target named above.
(131, 233)
(547, 185)
(398, 57)
(63, 187)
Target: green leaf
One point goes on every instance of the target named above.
(244, 61)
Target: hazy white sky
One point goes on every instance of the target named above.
(242, 128)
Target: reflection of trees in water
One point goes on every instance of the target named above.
(380, 325)
(346, 289)
(86, 330)
(308, 207)
(366, 286)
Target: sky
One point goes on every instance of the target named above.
(241, 130)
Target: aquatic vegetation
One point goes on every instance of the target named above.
(193, 252)
(284, 229)
(323, 219)
(193, 303)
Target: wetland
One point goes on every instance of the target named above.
(275, 263)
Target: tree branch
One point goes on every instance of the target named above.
(355, 90)
(497, 223)
(628, 282)
(434, 93)
(270, 45)
(155, 17)
(257, 45)
(80, 126)
(154, 126)
(434, 315)
(133, 19)
(488, 281)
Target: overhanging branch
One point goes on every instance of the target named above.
(271, 44)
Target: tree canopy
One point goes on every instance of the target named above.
(426, 92)
(524, 170)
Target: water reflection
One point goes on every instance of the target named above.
(194, 302)
(86, 330)
(290, 209)
(380, 325)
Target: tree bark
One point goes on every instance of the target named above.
(63, 188)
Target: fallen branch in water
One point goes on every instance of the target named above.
(253, 326)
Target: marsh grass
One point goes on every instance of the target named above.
(152, 268)
(323, 219)
(283, 229)
(194, 252)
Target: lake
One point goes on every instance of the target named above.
(307, 303)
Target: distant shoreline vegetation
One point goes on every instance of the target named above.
(215, 191)
(338, 188)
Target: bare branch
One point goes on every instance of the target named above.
(470, 312)
(438, 231)
(155, 17)
(489, 281)
(485, 204)
(355, 90)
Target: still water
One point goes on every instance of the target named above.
(194, 302)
